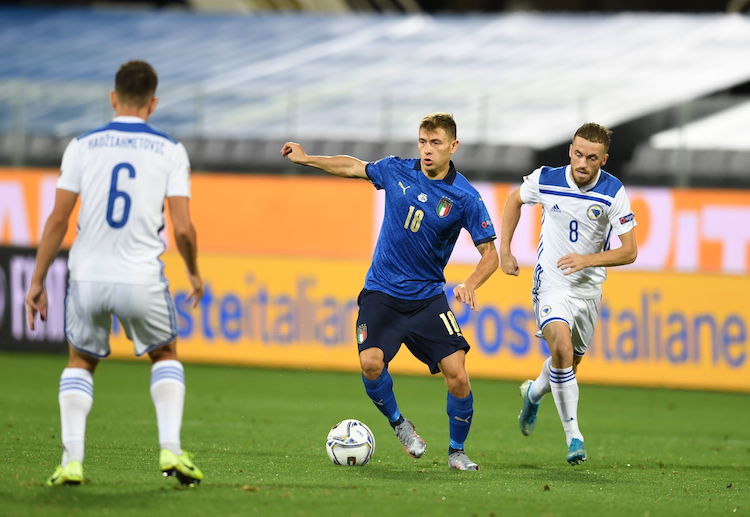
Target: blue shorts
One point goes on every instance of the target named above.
(428, 328)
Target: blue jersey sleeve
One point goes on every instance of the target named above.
(478, 223)
(378, 171)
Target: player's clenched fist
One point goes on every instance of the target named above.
(294, 152)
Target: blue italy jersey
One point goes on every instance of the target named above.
(423, 218)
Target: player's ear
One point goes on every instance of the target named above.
(570, 151)
(152, 105)
(454, 146)
(604, 160)
(113, 99)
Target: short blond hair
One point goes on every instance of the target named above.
(596, 133)
(439, 120)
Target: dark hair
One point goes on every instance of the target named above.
(135, 83)
(443, 120)
(596, 133)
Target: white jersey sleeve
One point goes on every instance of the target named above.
(620, 215)
(178, 181)
(70, 169)
(530, 188)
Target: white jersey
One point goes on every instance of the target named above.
(122, 173)
(575, 220)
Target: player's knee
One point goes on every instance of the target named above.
(459, 385)
(78, 359)
(562, 356)
(164, 353)
(372, 367)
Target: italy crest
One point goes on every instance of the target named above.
(361, 333)
(444, 207)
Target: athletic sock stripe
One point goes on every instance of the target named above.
(76, 385)
(560, 374)
(172, 375)
(562, 381)
(555, 371)
(562, 378)
(168, 369)
(82, 382)
(157, 378)
(167, 376)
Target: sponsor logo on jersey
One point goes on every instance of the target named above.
(546, 310)
(361, 333)
(486, 223)
(422, 197)
(444, 207)
(626, 218)
(403, 187)
(595, 212)
(555, 209)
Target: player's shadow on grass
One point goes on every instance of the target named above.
(114, 498)
(412, 473)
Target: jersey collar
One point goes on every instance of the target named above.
(129, 119)
(586, 187)
(449, 178)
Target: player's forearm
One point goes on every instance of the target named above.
(187, 246)
(615, 257)
(485, 268)
(511, 216)
(340, 165)
(52, 237)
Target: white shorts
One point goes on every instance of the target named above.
(580, 314)
(146, 312)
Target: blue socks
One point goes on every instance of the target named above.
(380, 391)
(460, 412)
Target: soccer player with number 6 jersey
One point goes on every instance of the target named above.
(122, 173)
(427, 202)
(582, 205)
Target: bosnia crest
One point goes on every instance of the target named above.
(595, 212)
(444, 207)
(361, 333)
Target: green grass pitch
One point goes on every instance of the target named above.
(259, 437)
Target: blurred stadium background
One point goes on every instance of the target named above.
(284, 250)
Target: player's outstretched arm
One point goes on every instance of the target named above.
(465, 292)
(187, 243)
(341, 165)
(625, 254)
(511, 216)
(52, 236)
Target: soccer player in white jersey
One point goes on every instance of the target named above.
(582, 205)
(122, 172)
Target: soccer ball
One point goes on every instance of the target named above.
(351, 443)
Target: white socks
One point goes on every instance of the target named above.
(76, 396)
(565, 392)
(540, 386)
(168, 394)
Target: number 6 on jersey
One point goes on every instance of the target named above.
(114, 194)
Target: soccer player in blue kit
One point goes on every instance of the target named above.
(427, 202)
